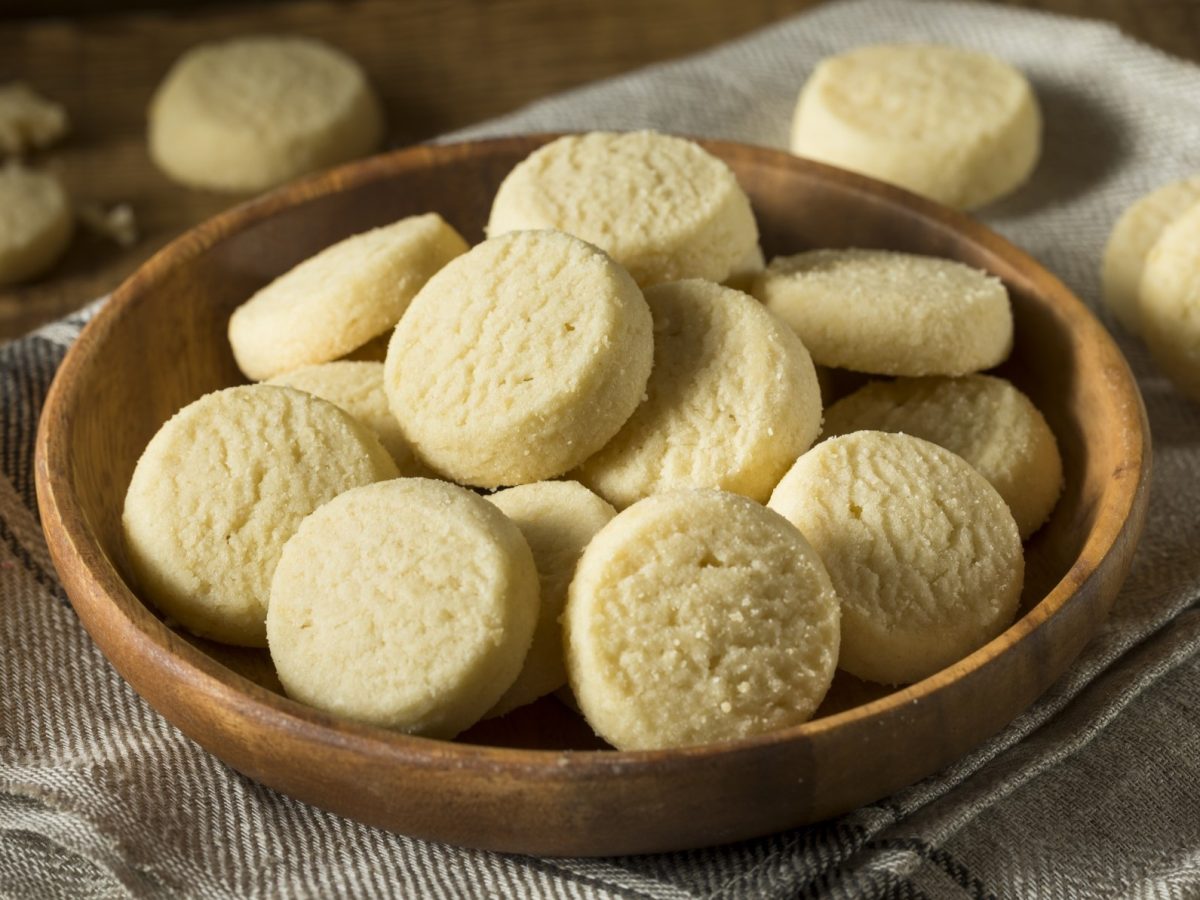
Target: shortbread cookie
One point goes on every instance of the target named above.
(253, 112)
(890, 313)
(337, 301)
(960, 127)
(557, 518)
(732, 401)
(28, 121)
(661, 206)
(519, 360)
(983, 419)
(222, 486)
(407, 604)
(923, 552)
(698, 616)
(1139, 227)
(1169, 301)
(357, 387)
(35, 223)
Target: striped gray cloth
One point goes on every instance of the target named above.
(1093, 792)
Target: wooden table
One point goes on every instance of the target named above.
(440, 64)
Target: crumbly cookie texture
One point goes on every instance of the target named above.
(960, 127)
(408, 604)
(699, 616)
(923, 552)
(558, 519)
(35, 223)
(661, 206)
(1169, 296)
(731, 402)
(890, 313)
(519, 359)
(252, 112)
(338, 300)
(1129, 244)
(220, 488)
(357, 387)
(985, 420)
(28, 121)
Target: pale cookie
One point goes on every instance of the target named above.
(960, 127)
(1134, 233)
(732, 401)
(923, 552)
(35, 223)
(335, 302)
(407, 604)
(1169, 297)
(890, 313)
(252, 112)
(985, 420)
(698, 616)
(222, 486)
(357, 387)
(661, 206)
(519, 360)
(28, 121)
(557, 518)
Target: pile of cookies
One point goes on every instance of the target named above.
(607, 467)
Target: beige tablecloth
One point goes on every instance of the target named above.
(1094, 792)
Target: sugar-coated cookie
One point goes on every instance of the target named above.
(558, 519)
(698, 616)
(28, 121)
(335, 302)
(923, 552)
(357, 387)
(222, 486)
(958, 126)
(661, 206)
(35, 223)
(890, 313)
(408, 604)
(985, 420)
(731, 402)
(519, 360)
(1169, 301)
(252, 112)
(1135, 232)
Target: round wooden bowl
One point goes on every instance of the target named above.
(537, 781)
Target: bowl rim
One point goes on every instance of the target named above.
(1117, 518)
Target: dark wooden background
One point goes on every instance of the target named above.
(440, 64)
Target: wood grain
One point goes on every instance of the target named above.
(533, 783)
(441, 64)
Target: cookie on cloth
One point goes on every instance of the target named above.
(35, 222)
(1169, 302)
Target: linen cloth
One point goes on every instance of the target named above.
(1093, 792)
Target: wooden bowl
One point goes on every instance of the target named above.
(537, 781)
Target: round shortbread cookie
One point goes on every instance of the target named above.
(890, 313)
(558, 519)
(357, 387)
(661, 206)
(731, 402)
(985, 420)
(335, 302)
(519, 360)
(35, 223)
(253, 112)
(960, 127)
(408, 604)
(698, 616)
(1135, 232)
(1169, 302)
(923, 552)
(220, 488)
